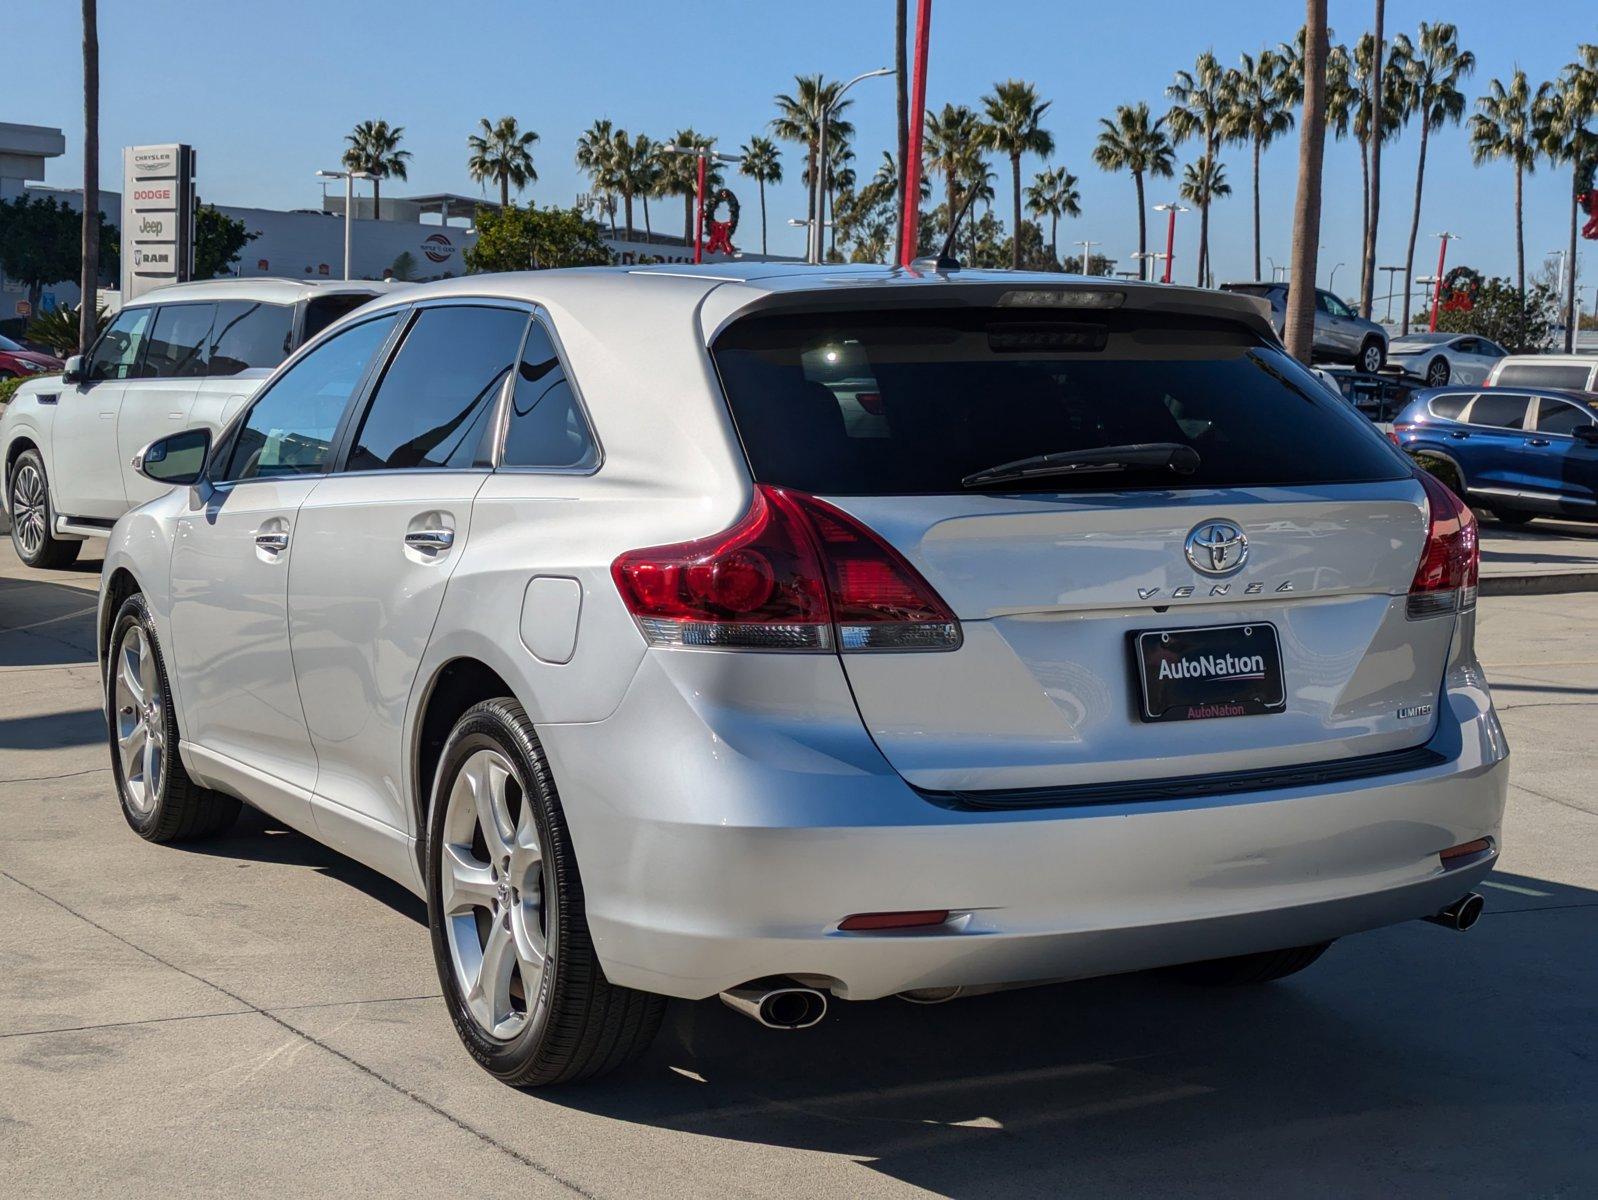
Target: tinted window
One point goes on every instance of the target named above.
(8, 345)
(247, 334)
(547, 428)
(322, 311)
(1449, 407)
(435, 400)
(883, 402)
(180, 341)
(1506, 412)
(1555, 416)
(1550, 375)
(290, 428)
(117, 354)
(1335, 306)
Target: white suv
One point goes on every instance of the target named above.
(587, 605)
(187, 355)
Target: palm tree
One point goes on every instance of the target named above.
(1431, 79)
(502, 152)
(89, 278)
(593, 148)
(952, 142)
(680, 176)
(762, 162)
(1299, 325)
(1202, 98)
(1380, 73)
(1202, 182)
(1375, 125)
(1562, 135)
(374, 149)
(1132, 142)
(799, 114)
(1505, 127)
(1015, 127)
(1260, 112)
(1053, 194)
(630, 168)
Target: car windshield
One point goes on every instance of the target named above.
(8, 345)
(885, 402)
(1423, 339)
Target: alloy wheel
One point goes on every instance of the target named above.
(29, 509)
(140, 720)
(1437, 373)
(1373, 359)
(498, 913)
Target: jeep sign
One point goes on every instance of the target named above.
(157, 217)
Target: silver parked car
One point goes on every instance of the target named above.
(1444, 358)
(1341, 334)
(790, 634)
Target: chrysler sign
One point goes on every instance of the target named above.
(157, 217)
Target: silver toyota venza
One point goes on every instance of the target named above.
(790, 633)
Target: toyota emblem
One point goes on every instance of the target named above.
(1217, 548)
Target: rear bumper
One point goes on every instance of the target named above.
(720, 844)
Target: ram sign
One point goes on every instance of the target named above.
(157, 217)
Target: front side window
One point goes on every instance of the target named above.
(1498, 410)
(118, 352)
(913, 401)
(433, 405)
(180, 342)
(1555, 416)
(1335, 306)
(247, 335)
(547, 427)
(290, 428)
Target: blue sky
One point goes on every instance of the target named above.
(266, 91)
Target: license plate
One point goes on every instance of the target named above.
(1215, 671)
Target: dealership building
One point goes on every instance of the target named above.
(412, 237)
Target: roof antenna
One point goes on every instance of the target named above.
(946, 261)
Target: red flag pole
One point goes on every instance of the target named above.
(1437, 287)
(911, 217)
(699, 211)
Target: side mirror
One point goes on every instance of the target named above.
(72, 372)
(1587, 434)
(175, 460)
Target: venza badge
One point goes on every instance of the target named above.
(1217, 548)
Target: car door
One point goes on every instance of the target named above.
(85, 470)
(159, 400)
(1340, 335)
(377, 541)
(1566, 458)
(1492, 447)
(229, 574)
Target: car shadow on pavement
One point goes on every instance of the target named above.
(44, 622)
(53, 731)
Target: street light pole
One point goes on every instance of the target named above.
(1331, 283)
(1442, 257)
(1087, 254)
(1391, 271)
(1170, 210)
(819, 181)
(349, 178)
(701, 153)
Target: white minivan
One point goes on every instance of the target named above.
(179, 357)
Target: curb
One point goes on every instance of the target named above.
(1538, 585)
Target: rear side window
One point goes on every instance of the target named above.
(180, 341)
(1549, 375)
(248, 334)
(1555, 416)
(289, 429)
(322, 311)
(1449, 407)
(546, 426)
(885, 402)
(433, 405)
(1504, 412)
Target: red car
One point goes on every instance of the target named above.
(19, 360)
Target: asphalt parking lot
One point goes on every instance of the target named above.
(257, 1015)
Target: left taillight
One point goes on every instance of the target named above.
(794, 573)
(1450, 564)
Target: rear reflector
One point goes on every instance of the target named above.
(1445, 580)
(794, 573)
(864, 922)
(1453, 854)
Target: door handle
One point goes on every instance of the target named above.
(430, 539)
(275, 542)
(1461, 434)
(1538, 442)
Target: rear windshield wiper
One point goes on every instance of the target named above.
(1171, 456)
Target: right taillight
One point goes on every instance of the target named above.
(1450, 564)
(795, 573)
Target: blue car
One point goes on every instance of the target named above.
(1522, 452)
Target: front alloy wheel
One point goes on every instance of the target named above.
(1371, 357)
(139, 716)
(31, 535)
(1437, 373)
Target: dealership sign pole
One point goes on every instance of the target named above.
(157, 217)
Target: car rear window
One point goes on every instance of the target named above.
(1551, 375)
(911, 401)
(322, 311)
(1449, 407)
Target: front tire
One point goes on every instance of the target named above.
(506, 910)
(1371, 356)
(1438, 372)
(32, 522)
(1248, 969)
(159, 800)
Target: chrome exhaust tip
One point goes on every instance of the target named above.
(1461, 914)
(777, 1003)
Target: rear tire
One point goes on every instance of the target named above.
(33, 520)
(505, 908)
(159, 800)
(1372, 355)
(1247, 969)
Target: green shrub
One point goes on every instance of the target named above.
(1442, 468)
(7, 388)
